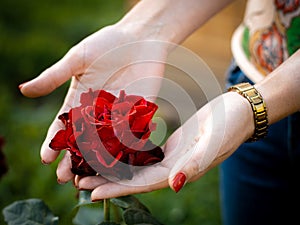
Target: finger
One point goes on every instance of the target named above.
(150, 176)
(47, 154)
(53, 77)
(76, 181)
(193, 164)
(90, 182)
(63, 171)
(113, 190)
(148, 179)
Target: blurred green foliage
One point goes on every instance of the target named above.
(33, 36)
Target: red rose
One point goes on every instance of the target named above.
(108, 135)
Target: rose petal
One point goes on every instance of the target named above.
(59, 142)
(108, 135)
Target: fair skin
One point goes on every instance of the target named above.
(147, 21)
(159, 21)
(282, 96)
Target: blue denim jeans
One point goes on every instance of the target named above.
(259, 183)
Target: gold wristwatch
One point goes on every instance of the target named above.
(258, 107)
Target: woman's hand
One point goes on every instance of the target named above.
(205, 140)
(209, 137)
(111, 59)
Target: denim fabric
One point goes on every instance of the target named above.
(259, 183)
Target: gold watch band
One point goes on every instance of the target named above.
(258, 107)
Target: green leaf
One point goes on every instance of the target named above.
(29, 212)
(84, 199)
(129, 201)
(138, 216)
(88, 215)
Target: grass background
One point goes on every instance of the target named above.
(34, 35)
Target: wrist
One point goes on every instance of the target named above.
(242, 123)
(169, 20)
(149, 20)
(143, 30)
(258, 106)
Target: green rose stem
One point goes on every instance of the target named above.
(116, 213)
(106, 208)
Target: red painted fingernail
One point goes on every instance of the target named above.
(179, 181)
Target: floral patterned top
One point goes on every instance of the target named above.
(269, 34)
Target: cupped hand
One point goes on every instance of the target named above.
(113, 58)
(210, 136)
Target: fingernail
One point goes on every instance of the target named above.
(21, 85)
(82, 189)
(44, 162)
(75, 184)
(179, 181)
(96, 200)
(60, 181)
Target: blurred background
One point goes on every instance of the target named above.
(33, 36)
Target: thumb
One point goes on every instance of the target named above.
(54, 76)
